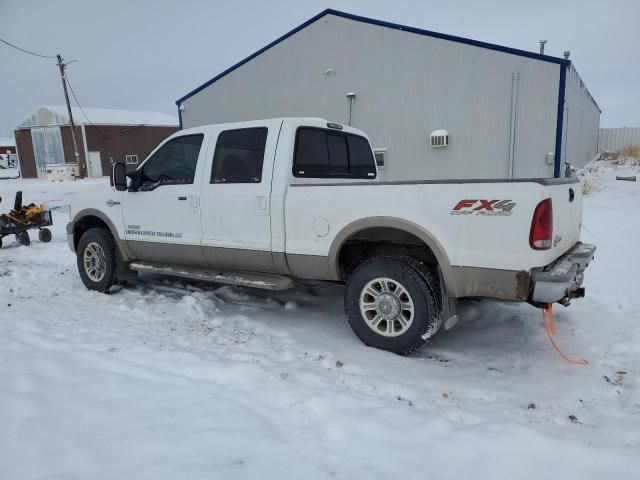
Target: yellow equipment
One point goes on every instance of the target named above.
(23, 218)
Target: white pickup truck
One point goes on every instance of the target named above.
(262, 203)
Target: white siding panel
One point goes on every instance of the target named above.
(406, 86)
(581, 123)
(617, 138)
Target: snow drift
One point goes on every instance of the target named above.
(174, 379)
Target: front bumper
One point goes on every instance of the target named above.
(562, 280)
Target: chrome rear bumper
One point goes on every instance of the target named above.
(562, 280)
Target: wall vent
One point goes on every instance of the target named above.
(380, 155)
(439, 138)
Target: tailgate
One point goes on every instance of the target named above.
(567, 216)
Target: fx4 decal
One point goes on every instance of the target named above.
(484, 207)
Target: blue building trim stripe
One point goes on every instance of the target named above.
(560, 121)
(405, 28)
(180, 116)
(252, 56)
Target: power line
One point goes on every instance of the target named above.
(76, 99)
(80, 106)
(26, 51)
(105, 137)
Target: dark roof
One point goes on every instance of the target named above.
(358, 18)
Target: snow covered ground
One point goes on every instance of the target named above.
(170, 379)
(9, 173)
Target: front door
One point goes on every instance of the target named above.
(162, 218)
(236, 223)
(47, 148)
(95, 165)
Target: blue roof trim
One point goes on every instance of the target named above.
(405, 28)
(560, 122)
(253, 55)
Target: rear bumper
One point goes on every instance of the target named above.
(562, 280)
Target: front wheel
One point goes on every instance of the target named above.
(392, 304)
(23, 238)
(96, 259)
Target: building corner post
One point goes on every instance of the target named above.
(560, 121)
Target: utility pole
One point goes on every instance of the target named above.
(81, 166)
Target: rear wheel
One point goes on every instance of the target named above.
(392, 303)
(96, 259)
(44, 235)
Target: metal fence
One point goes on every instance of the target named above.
(617, 138)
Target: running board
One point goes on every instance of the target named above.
(264, 281)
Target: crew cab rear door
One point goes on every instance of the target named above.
(236, 197)
(162, 218)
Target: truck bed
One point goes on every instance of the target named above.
(475, 236)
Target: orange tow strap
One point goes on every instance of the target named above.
(550, 328)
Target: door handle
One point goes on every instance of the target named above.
(261, 205)
(182, 198)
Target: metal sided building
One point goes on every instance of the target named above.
(435, 106)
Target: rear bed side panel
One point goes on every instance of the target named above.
(567, 218)
(484, 225)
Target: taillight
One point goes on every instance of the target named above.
(541, 235)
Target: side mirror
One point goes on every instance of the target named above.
(120, 176)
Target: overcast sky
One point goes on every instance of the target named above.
(145, 54)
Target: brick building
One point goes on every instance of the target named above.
(104, 137)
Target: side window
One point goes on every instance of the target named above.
(239, 156)
(323, 153)
(312, 153)
(338, 155)
(173, 164)
(361, 160)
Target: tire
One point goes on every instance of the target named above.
(96, 260)
(379, 318)
(23, 238)
(44, 235)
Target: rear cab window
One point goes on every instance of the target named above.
(325, 153)
(239, 156)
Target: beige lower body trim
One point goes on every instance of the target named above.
(212, 257)
(490, 283)
(467, 281)
(311, 267)
(240, 259)
(167, 253)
